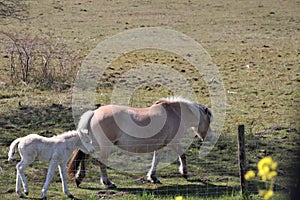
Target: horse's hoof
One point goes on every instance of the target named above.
(186, 176)
(44, 198)
(21, 195)
(111, 186)
(77, 181)
(26, 193)
(71, 197)
(157, 181)
(154, 180)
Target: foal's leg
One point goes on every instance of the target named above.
(151, 175)
(18, 184)
(182, 159)
(63, 175)
(104, 177)
(21, 166)
(51, 170)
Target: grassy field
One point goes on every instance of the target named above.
(255, 46)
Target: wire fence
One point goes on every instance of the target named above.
(216, 174)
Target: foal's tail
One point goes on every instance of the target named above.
(12, 149)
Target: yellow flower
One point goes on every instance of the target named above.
(179, 198)
(274, 165)
(264, 163)
(265, 168)
(268, 194)
(271, 175)
(262, 192)
(250, 174)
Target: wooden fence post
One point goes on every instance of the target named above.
(242, 158)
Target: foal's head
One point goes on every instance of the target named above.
(204, 121)
(87, 146)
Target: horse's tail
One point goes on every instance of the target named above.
(74, 162)
(12, 149)
(78, 155)
(85, 120)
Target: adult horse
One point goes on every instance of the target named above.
(142, 130)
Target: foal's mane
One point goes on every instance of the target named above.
(67, 135)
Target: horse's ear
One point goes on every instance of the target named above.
(157, 102)
(206, 110)
(209, 113)
(160, 101)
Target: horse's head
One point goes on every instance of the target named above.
(206, 117)
(87, 146)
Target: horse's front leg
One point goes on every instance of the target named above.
(151, 175)
(104, 153)
(63, 176)
(183, 166)
(51, 170)
(182, 159)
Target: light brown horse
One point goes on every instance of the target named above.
(142, 130)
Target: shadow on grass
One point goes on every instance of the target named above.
(46, 120)
(191, 190)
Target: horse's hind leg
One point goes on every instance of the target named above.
(104, 177)
(151, 175)
(81, 172)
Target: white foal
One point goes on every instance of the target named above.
(55, 150)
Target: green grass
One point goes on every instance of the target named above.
(254, 45)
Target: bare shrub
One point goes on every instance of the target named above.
(41, 60)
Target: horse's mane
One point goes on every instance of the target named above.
(67, 135)
(178, 99)
(194, 106)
